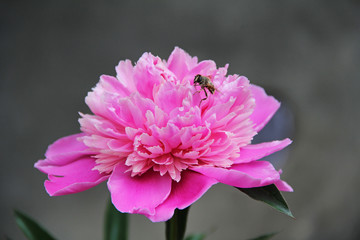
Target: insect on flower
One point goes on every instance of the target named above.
(205, 83)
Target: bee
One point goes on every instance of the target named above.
(205, 83)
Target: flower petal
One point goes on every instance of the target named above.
(205, 68)
(125, 74)
(283, 186)
(170, 96)
(245, 175)
(148, 74)
(96, 125)
(180, 62)
(257, 151)
(70, 178)
(138, 194)
(265, 107)
(184, 193)
(107, 91)
(63, 151)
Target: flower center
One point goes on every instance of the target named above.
(149, 152)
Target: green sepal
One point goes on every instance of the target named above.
(270, 195)
(31, 229)
(116, 224)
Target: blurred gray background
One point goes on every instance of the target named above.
(306, 53)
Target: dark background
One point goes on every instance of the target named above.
(307, 53)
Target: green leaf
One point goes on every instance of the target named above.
(31, 229)
(198, 236)
(265, 236)
(176, 226)
(270, 195)
(116, 224)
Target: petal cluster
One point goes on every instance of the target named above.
(161, 142)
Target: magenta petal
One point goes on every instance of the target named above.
(180, 62)
(283, 186)
(184, 193)
(139, 194)
(74, 177)
(125, 74)
(245, 175)
(69, 167)
(257, 151)
(265, 107)
(64, 150)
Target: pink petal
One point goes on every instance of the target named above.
(128, 114)
(138, 194)
(245, 175)
(206, 68)
(257, 151)
(63, 151)
(283, 186)
(180, 62)
(265, 107)
(147, 74)
(125, 74)
(112, 85)
(106, 91)
(96, 125)
(73, 177)
(184, 193)
(170, 96)
(130, 111)
(170, 132)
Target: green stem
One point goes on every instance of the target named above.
(116, 224)
(176, 226)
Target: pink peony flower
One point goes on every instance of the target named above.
(157, 146)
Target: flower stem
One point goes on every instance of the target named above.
(176, 226)
(116, 224)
